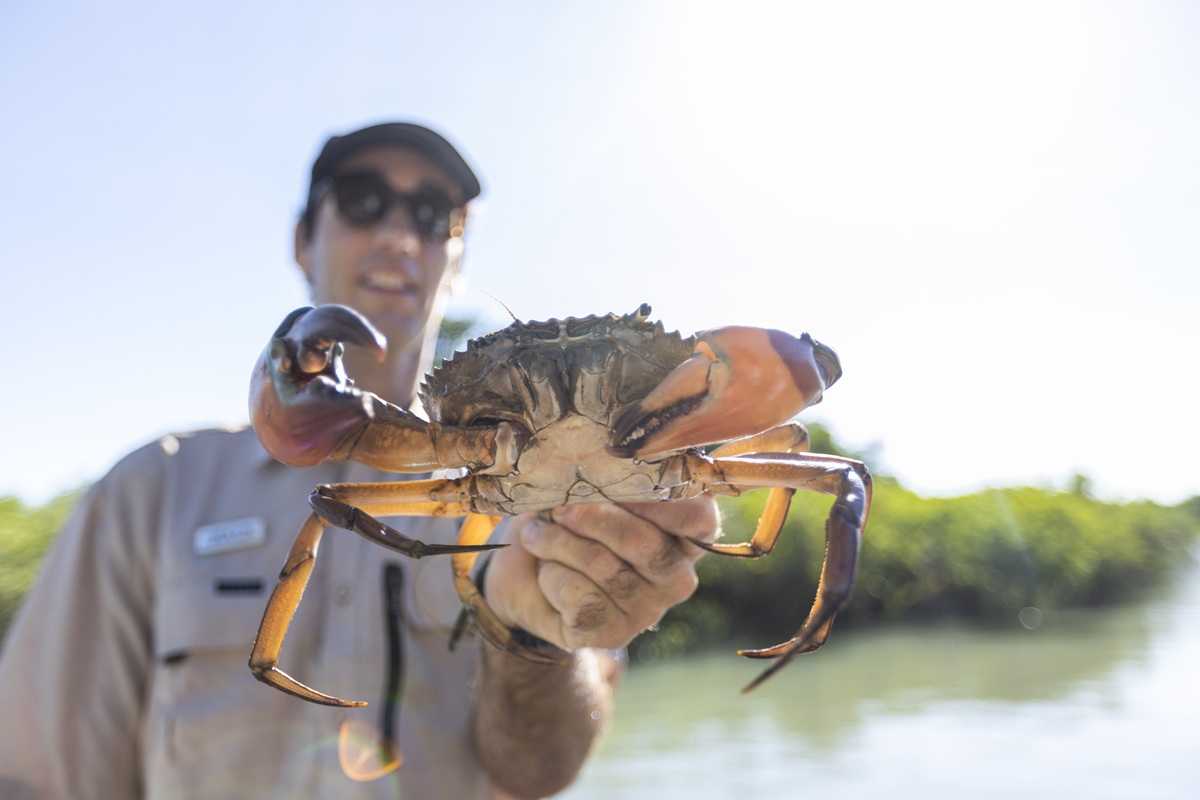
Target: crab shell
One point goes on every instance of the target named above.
(594, 400)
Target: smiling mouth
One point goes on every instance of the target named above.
(387, 281)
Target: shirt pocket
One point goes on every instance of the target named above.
(208, 713)
(215, 584)
(209, 612)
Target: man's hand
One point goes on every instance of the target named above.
(599, 574)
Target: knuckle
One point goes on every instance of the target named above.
(592, 554)
(666, 557)
(590, 616)
(622, 582)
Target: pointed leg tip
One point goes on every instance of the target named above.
(757, 654)
(278, 679)
(454, 549)
(477, 548)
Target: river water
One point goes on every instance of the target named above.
(1088, 704)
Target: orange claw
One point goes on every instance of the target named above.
(302, 405)
(739, 381)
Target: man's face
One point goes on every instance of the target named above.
(387, 270)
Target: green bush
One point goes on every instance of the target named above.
(25, 536)
(981, 557)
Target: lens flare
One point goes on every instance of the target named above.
(365, 753)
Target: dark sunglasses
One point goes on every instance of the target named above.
(365, 198)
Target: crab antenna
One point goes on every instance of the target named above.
(501, 302)
(490, 296)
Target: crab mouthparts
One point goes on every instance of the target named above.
(636, 425)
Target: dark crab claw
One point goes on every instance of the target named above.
(738, 381)
(302, 405)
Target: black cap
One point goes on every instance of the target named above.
(398, 134)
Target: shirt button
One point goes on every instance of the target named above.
(343, 594)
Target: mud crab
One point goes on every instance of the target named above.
(542, 414)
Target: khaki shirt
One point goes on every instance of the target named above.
(125, 673)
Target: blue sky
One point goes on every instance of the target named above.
(990, 210)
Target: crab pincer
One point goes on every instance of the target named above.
(739, 381)
(302, 404)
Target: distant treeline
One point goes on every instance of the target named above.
(998, 557)
(25, 535)
(1004, 556)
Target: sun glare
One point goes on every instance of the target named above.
(926, 98)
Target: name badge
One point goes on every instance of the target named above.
(225, 537)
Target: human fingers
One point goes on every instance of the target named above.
(586, 616)
(511, 584)
(617, 579)
(696, 519)
(600, 573)
(553, 601)
(653, 538)
(605, 597)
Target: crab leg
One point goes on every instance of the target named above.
(398, 441)
(791, 437)
(344, 515)
(346, 505)
(278, 617)
(846, 479)
(332, 506)
(475, 531)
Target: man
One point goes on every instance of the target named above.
(125, 674)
